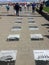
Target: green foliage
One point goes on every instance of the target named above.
(46, 9)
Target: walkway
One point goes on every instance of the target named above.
(25, 45)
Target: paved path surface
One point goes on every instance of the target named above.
(24, 46)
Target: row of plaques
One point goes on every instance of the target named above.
(16, 37)
(8, 57)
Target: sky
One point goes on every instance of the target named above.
(20, 0)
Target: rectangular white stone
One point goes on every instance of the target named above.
(8, 55)
(31, 22)
(19, 17)
(33, 28)
(41, 55)
(36, 36)
(30, 18)
(16, 28)
(13, 37)
(18, 22)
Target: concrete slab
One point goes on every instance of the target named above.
(32, 22)
(41, 57)
(13, 37)
(33, 28)
(24, 45)
(36, 36)
(18, 22)
(16, 28)
(8, 55)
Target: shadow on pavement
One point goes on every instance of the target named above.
(23, 15)
(45, 24)
(40, 62)
(46, 36)
(7, 63)
(47, 27)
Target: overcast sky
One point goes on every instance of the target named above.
(21, 0)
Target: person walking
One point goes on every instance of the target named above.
(33, 7)
(25, 7)
(17, 8)
(7, 7)
(41, 7)
(28, 5)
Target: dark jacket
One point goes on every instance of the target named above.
(17, 7)
(41, 7)
(34, 4)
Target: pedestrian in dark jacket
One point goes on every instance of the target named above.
(17, 8)
(41, 8)
(7, 7)
(33, 7)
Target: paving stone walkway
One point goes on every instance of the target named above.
(25, 45)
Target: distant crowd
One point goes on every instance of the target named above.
(18, 7)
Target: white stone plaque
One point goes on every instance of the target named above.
(13, 37)
(36, 36)
(16, 28)
(41, 55)
(18, 22)
(33, 28)
(8, 55)
(31, 22)
(19, 18)
(30, 18)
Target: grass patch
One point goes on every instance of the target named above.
(46, 9)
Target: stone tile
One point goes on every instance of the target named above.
(8, 57)
(13, 37)
(33, 28)
(36, 36)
